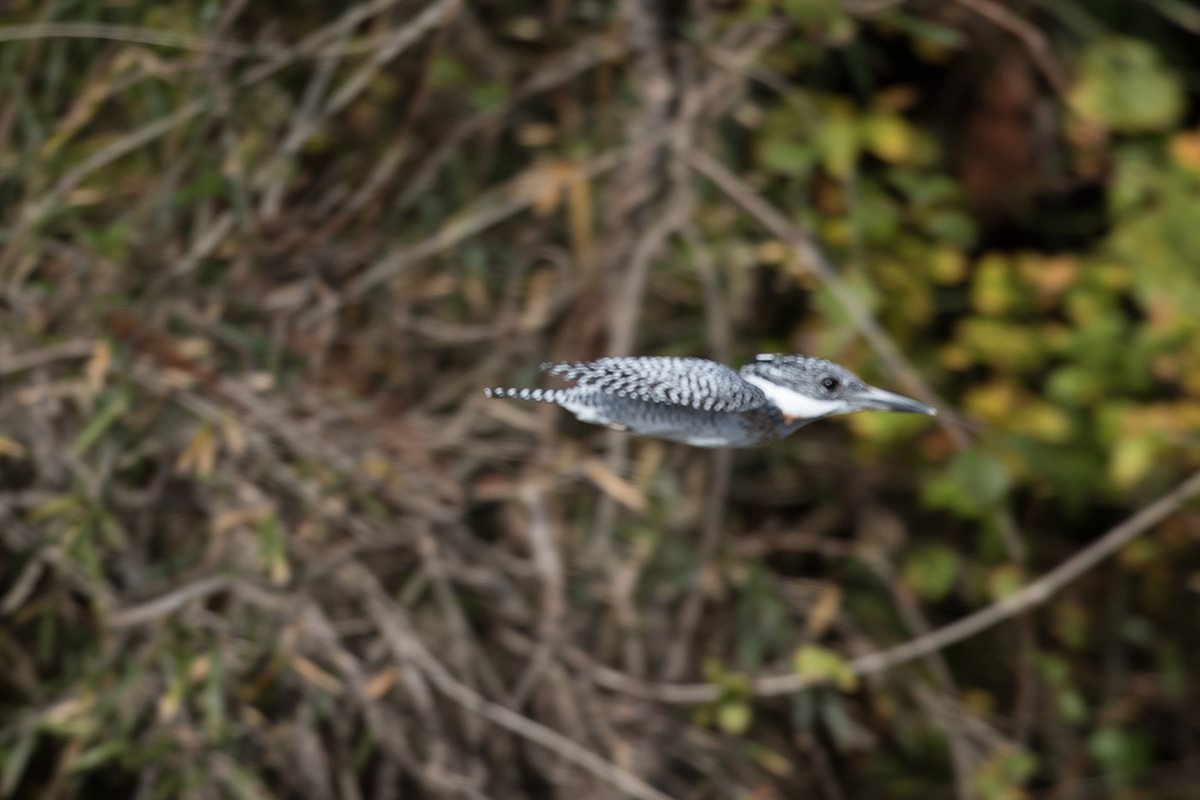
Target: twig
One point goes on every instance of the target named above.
(393, 623)
(170, 602)
(163, 38)
(436, 13)
(1030, 596)
(129, 33)
(579, 58)
(33, 212)
(627, 304)
(554, 607)
(305, 120)
(464, 225)
(1033, 39)
(64, 351)
(693, 604)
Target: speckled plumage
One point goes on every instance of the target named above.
(697, 383)
(706, 404)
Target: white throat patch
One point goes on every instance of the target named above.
(794, 404)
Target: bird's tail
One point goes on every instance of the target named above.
(537, 395)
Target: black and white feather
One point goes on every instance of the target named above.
(692, 382)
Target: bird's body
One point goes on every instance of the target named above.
(706, 404)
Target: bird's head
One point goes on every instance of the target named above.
(807, 388)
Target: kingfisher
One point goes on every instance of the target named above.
(706, 404)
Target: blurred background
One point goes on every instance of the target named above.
(262, 535)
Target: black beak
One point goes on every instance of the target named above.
(872, 399)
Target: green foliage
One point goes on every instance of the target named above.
(328, 235)
(820, 664)
(973, 484)
(931, 571)
(1124, 755)
(1002, 776)
(1124, 84)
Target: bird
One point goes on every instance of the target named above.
(706, 404)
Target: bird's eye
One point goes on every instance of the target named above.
(830, 384)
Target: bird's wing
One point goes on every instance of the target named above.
(688, 382)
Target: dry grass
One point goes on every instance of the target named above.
(263, 536)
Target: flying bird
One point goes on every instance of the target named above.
(706, 404)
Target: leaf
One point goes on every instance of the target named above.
(947, 265)
(890, 137)
(117, 405)
(1124, 84)
(786, 157)
(97, 366)
(821, 664)
(838, 141)
(1005, 581)
(200, 455)
(824, 610)
(489, 96)
(1185, 149)
(16, 759)
(580, 218)
(447, 73)
(992, 290)
(614, 485)
(1131, 459)
(931, 571)
(973, 485)
(12, 448)
(1071, 623)
(1000, 777)
(734, 717)
(95, 756)
(1123, 755)
(809, 12)
(272, 550)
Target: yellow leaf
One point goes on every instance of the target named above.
(773, 251)
(896, 98)
(97, 366)
(546, 187)
(200, 455)
(1004, 581)
(169, 703)
(8, 447)
(232, 433)
(377, 467)
(382, 682)
(775, 763)
(1140, 553)
(1050, 277)
(821, 664)
(1131, 459)
(955, 357)
(993, 402)
(734, 717)
(614, 485)
(978, 701)
(315, 675)
(1185, 149)
(991, 288)
(948, 265)
(199, 669)
(1043, 421)
(579, 216)
(824, 610)
(890, 137)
